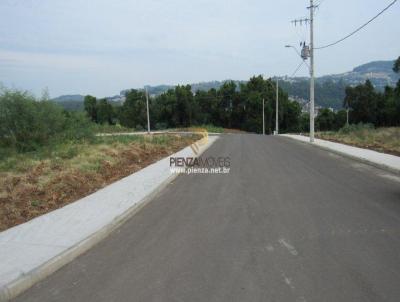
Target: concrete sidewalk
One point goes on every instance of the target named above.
(381, 160)
(33, 250)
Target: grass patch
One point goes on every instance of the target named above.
(386, 140)
(37, 182)
(106, 128)
(212, 129)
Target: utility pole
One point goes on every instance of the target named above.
(311, 71)
(277, 108)
(263, 117)
(308, 52)
(148, 115)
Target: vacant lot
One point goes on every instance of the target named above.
(386, 140)
(35, 183)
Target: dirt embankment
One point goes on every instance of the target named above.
(52, 183)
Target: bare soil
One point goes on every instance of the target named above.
(50, 184)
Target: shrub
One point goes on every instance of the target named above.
(27, 124)
(77, 127)
(355, 128)
(161, 126)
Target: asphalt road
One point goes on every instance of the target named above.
(291, 222)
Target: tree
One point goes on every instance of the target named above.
(305, 122)
(252, 93)
(90, 105)
(391, 106)
(164, 108)
(133, 113)
(105, 112)
(363, 102)
(396, 66)
(225, 105)
(290, 121)
(184, 106)
(340, 119)
(325, 120)
(207, 103)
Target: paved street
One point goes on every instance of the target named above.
(291, 222)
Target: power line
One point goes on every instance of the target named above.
(297, 69)
(358, 29)
(317, 6)
(319, 3)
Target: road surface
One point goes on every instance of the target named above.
(291, 222)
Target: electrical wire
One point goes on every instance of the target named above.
(297, 69)
(319, 3)
(358, 29)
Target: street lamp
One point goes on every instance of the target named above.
(295, 49)
(303, 57)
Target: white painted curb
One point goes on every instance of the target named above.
(383, 161)
(34, 250)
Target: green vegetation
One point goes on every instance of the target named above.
(396, 67)
(33, 130)
(106, 128)
(211, 128)
(50, 157)
(239, 106)
(229, 106)
(328, 93)
(71, 105)
(35, 182)
(385, 140)
(84, 153)
(367, 105)
(330, 120)
(27, 124)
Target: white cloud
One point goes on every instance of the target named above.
(142, 42)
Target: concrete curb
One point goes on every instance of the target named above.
(375, 164)
(24, 282)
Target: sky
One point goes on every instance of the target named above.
(100, 47)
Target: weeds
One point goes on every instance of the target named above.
(385, 140)
(39, 181)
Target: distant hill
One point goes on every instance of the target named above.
(380, 73)
(329, 89)
(72, 102)
(72, 98)
(376, 66)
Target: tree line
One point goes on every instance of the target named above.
(367, 105)
(239, 106)
(232, 105)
